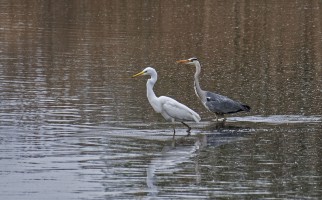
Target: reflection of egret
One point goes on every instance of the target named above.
(216, 103)
(169, 164)
(169, 108)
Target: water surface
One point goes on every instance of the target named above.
(74, 125)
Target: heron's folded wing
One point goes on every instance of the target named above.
(222, 104)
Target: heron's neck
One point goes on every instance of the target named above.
(197, 85)
(153, 99)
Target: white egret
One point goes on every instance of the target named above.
(216, 103)
(169, 108)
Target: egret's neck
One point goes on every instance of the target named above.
(153, 99)
(149, 86)
(197, 85)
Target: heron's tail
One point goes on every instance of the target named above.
(246, 107)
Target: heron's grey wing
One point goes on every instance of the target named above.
(221, 104)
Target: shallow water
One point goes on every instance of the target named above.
(74, 125)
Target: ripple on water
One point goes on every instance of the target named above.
(278, 119)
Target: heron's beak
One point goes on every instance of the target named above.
(182, 61)
(138, 74)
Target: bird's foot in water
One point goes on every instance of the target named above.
(189, 128)
(188, 133)
(219, 120)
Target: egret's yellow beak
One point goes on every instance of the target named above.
(182, 61)
(138, 74)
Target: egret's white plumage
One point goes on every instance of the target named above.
(169, 108)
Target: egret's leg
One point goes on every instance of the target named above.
(174, 129)
(189, 128)
(173, 143)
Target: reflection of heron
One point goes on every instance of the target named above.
(169, 108)
(216, 103)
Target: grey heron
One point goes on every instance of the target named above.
(214, 102)
(169, 108)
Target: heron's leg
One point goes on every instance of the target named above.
(216, 117)
(189, 128)
(224, 118)
(221, 122)
(174, 128)
(220, 117)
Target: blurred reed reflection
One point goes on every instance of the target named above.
(265, 54)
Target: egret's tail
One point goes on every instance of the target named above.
(196, 117)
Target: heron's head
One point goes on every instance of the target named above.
(190, 61)
(146, 71)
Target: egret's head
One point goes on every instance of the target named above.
(190, 61)
(146, 71)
